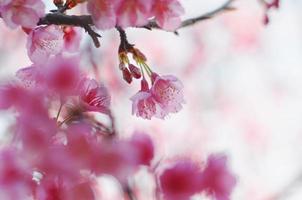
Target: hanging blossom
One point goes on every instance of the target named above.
(165, 95)
(43, 42)
(25, 13)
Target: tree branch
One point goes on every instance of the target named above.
(86, 22)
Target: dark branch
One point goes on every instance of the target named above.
(86, 22)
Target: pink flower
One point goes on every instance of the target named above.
(29, 77)
(144, 104)
(72, 38)
(15, 175)
(167, 13)
(62, 75)
(102, 12)
(25, 13)
(168, 92)
(133, 12)
(94, 96)
(216, 179)
(180, 181)
(43, 42)
(143, 145)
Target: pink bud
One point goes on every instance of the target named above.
(127, 75)
(135, 71)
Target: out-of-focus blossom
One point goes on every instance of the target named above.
(168, 92)
(144, 148)
(216, 178)
(180, 181)
(94, 96)
(274, 4)
(63, 75)
(15, 175)
(25, 13)
(167, 13)
(102, 12)
(133, 12)
(72, 38)
(43, 42)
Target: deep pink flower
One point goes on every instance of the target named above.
(22, 12)
(167, 13)
(143, 145)
(144, 104)
(216, 179)
(62, 75)
(180, 181)
(102, 12)
(94, 96)
(15, 175)
(168, 92)
(133, 12)
(43, 42)
(135, 71)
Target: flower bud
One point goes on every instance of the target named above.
(127, 75)
(135, 71)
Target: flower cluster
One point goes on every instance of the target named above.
(125, 13)
(165, 95)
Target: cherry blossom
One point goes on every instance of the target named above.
(144, 147)
(216, 178)
(15, 175)
(180, 181)
(103, 13)
(167, 13)
(168, 92)
(43, 42)
(63, 75)
(144, 104)
(25, 13)
(94, 96)
(133, 12)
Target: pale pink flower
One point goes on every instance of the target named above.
(167, 13)
(72, 38)
(168, 92)
(29, 77)
(180, 181)
(43, 42)
(102, 12)
(25, 13)
(133, 12)
(144, 104)
(216, 179)
(94, 96)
